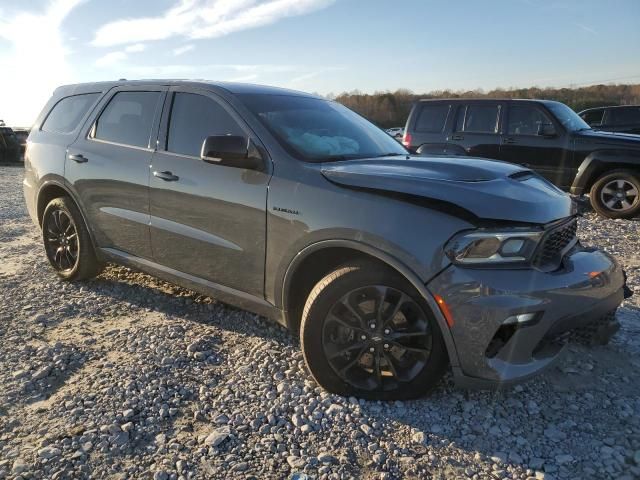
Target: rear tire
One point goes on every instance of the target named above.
(617, 194)
(67, 242)
(366, 332)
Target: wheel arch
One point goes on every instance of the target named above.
(47, 192)
(319, 259)
(51, 189)
(600, 162)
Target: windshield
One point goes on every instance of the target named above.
(569, 119)
(317, 130)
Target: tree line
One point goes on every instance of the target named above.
(391, 109)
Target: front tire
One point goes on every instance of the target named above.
(67, 242)
(616, 194)
(366, 332)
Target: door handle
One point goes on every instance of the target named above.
(78, 158)
(457, 137)
(166, 176)
(508, 140)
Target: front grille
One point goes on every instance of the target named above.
(555, 243)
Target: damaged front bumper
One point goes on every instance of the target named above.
(507, 324)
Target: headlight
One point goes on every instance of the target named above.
(493, 247)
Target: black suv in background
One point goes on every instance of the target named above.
(542, 135)
(623, 119)
(9, 146)
(22, 134)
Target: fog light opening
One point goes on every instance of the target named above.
(500, 339)
(521, 319)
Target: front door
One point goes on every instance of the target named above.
(534, 140)
(109, 168)
(476, 129)
(207, 220)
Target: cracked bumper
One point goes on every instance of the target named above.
(588, 286)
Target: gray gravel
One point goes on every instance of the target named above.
(130, 377)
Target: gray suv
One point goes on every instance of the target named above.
(391, 267)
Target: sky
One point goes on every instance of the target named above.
(321, 46)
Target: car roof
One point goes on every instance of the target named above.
(519, 100)
(610, 106)
(230, 87)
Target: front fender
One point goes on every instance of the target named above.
(389, 260)
(599, 162)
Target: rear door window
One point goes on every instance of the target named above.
(432, 118)
(194, 118)
(478, 118)
(67, 113)
(128, 119)
(626, 115)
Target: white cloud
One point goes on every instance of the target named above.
(313, 74)
(181, 50)
(118, 57)
(135, 48)
(203, 19)
(252, 77)
(111, 59)
(229, 72)
(586, 28)
(35, 62)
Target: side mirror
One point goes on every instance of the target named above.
(546, 130)
(230, 151)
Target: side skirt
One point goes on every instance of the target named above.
(227, 295)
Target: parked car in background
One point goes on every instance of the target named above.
(395, 132)
(622, 119)
(22, 134)
(545, 136)
(9, 146)
(298, 209)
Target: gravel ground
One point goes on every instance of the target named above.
(130, 377)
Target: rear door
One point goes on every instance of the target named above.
(108, 167)
(522, 143)
(476, 128)
(207, 220)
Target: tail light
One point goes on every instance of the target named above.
(406, 139)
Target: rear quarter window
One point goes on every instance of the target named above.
(432, 118)
(65, 116)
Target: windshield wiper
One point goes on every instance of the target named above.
(338, 158)
(393, 154)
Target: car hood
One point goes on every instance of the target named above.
(601, 137)
(487, 189)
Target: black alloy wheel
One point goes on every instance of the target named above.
(67, 242)
(376, 337)
(367, 332)
(61, 240)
